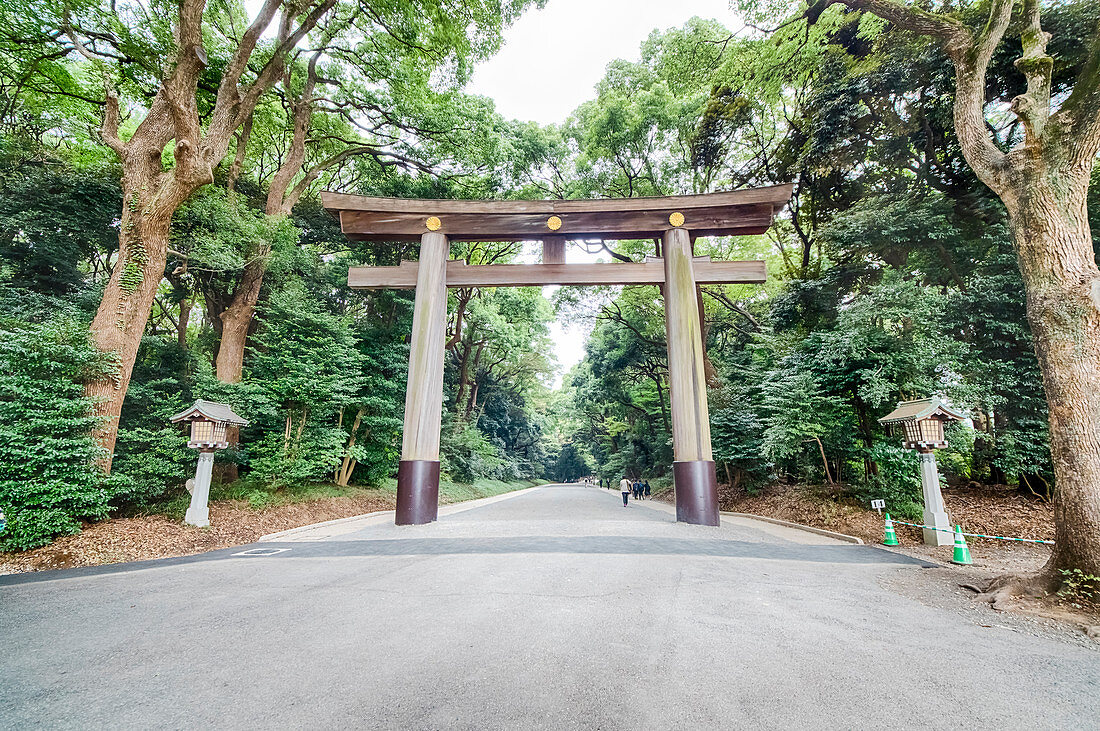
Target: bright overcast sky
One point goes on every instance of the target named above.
(552, 59)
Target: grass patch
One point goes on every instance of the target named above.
(457, 492)
(260, 496)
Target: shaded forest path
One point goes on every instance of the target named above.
(545, 608)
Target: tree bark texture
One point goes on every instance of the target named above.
(152, 192)
(1062, 284)
(236, 319)
(124, 310)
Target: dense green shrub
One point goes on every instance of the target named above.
(151, 451)
(467, 454)
(47, 482)
(898, 482)
(303, 369)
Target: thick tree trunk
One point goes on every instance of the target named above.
(127, 301)
(237, 318)
(1054, 246)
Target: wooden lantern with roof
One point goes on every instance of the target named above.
(209, 424)
(921, 423)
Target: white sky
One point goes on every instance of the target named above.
(552, 58)
(550, 63)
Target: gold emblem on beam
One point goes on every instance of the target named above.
(433, 223)
(676, 219)
(553, 223)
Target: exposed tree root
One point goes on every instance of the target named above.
(1003, 591)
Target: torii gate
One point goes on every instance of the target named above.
(677, 220)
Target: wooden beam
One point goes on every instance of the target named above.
(553, 249)
(687, 383)
(609, 226)
(713, 214)
(774, 194)
(651, 271)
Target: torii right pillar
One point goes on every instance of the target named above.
(693, 465)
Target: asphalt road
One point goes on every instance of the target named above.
(551, 608)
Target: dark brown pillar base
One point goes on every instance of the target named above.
(696, 492)
(417, 491)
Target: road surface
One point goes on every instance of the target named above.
(551, 608)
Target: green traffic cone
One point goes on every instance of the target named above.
(962, 551)
(891, 537)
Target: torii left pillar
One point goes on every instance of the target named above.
(418, 472)
(693, 466)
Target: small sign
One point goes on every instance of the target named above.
(878, 505)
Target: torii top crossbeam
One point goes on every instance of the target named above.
(730, 213)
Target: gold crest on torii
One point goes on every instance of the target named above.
(676, 220)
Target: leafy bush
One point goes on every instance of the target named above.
(151, 451)
(47, 485)
(1079, 589)
(897, 482)
(468, 455)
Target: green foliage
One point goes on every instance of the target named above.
(152, 452)
(571, 464)
(1079, 589)
(54, 217)
(897, 481)
(735, 435)
(48, 484)
(467, 454)
(303, 370)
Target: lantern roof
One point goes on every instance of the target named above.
(925, 408)
(209, 410)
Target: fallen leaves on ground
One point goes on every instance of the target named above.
(232, 523)
(998, 512)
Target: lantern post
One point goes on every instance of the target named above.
(921, 422)
(209, 423)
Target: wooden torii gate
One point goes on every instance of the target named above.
(677, 220)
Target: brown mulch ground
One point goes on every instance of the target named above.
(993, 511)
(1000, 512)
(233, 523)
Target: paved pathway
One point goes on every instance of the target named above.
(551, 608)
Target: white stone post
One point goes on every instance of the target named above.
(199, 513)
(934, 513)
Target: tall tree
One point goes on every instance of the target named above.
(1043, 179)
(155, 66)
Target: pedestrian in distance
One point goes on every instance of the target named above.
(625, 486)
(646, 490)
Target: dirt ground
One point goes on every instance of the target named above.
(993, 512)
(233, 523)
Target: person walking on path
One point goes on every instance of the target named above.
(624, 485)
(646, 490)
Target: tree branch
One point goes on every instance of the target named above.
(971, 58)
(1033, 107)
(1078, 120)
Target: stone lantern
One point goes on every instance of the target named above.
(209, 424)
(921, 423)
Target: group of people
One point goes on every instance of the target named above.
(640, 490)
